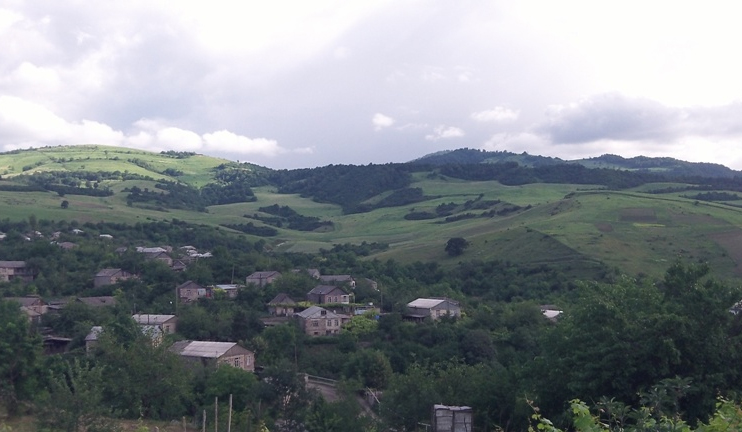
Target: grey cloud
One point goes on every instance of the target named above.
(614, 117)
(611, 117)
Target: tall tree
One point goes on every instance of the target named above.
(19, 356)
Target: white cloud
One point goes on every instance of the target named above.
(380, 121)
(432, 74)
(27, 124)
(497, 114)
(341, 53)
(517, 143)
(444, 132)
(230, 142)
(181, 139)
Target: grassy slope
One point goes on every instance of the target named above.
(196, 169)
(634, 231)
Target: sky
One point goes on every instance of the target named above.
(294, 84)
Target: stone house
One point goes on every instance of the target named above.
(191, 291)
(281, 305)
(324, 294)
(262, 278)
(10, 270)
(159, 256)
(111, 276)
(338, 280)
(318, 321)
(167, 323)
(214, 354)
(433, 308)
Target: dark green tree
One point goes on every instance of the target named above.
(19, 356)
(455, 246)
(75, 401)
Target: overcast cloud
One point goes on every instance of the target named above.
(299, 84)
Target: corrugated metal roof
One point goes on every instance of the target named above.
(151, 319)
(315, 312)
(206, 349)
(425, 303)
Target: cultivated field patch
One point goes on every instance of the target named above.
(731, 242)
(639, 215)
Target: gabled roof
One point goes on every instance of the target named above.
(12, 264)
(264, 274)
(336, 278)
(26, 301)
(326, 289)
(282, 299)
(151, 319)
(427, 303)
(189, 284)
(108, 272)
(203, 349)
(158, 254)
(315, 312)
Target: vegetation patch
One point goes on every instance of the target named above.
(285, 216)
(731, 242)
(645, 215)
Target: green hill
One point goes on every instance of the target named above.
(585, 220)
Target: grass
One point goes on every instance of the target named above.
(573, 225)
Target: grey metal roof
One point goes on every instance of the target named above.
(263, 274)
(204, 349)
(325, 289)
(151, 319)
(282, 298)
(12, 264)
(336, 278)
(315, 312)
(108, 272)
(427, 303)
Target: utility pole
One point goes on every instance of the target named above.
(229, 422)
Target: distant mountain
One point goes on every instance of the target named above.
(662, 165)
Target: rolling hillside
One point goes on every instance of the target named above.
(623, 222)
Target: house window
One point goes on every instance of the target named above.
(236, 362)
(315, 323)
(336, 323)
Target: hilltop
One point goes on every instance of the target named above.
(634, 215)
(662, 165)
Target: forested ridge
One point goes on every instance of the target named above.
(669, 345)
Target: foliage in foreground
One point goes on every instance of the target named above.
(726, 418)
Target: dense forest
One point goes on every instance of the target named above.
(665, 349)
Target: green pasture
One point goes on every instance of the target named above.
(574, 226)
(196, 169)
